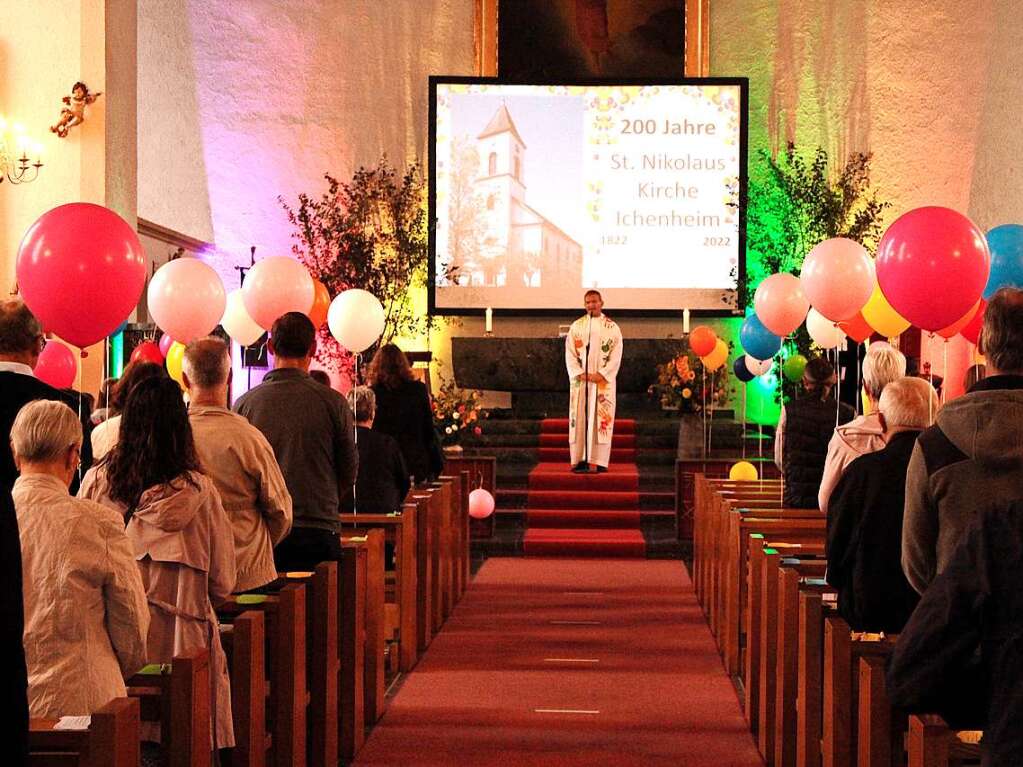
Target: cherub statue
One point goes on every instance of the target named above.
(74, 112)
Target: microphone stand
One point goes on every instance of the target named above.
(586, 395)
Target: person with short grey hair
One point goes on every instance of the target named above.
(972, 452)
(86, 621)
(383, 480)
(21, 343)
(882, 364)
(864, 542)
(239, 460)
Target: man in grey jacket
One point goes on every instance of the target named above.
(973, 455)
(311, 430)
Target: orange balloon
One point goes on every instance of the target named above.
(702, 340)
(959, 324)
(857, 328)
(321, 303)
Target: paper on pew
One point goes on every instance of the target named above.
(971, 737)
(250, 599)
(73, 723)
(357, 538)
(298, 574)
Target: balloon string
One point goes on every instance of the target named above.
(744, 422)
(703, 398)
(838, 385)
(944, 369)
(355, 427)
(80, 404)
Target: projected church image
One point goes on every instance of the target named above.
(518, 246)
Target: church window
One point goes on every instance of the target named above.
(492, 164)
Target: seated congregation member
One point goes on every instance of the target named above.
(804, 430)
(312, 433)
(239, 460)
(13, 676)
(86, 616)
(960, 655)
(882, 364)
(21, 343)
(104, 436)
(974, 451)
(404, 412)
(383, 479)
(178, 530)
(865, 516)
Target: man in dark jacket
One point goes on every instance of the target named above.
(13, 674)
(804, 431)
(21, 343)
(311, 430)
(383, 479)
(865, 516)
(961, 654)
(974, 451)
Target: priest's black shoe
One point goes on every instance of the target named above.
(581, 468)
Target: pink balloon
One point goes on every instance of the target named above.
(165, 344)
(481, 504)
(276, 286)
(838, 278)
(57, 365)
(932, 266)
(186, 298)
(780, 303)
(81, 270)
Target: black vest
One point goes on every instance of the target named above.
(809, 424)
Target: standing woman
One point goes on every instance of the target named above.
(180, 533)
(403, 412)
(104, 436)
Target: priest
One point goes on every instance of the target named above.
(593, 353)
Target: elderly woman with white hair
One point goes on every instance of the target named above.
(865, 515)
(882, 364)
(86, 617)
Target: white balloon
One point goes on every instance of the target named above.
(237, 322)
(758, 367)
(823, 331)
(356, 319)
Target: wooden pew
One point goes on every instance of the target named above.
(244, 644)
(111, 740)
(374, 666)
(450, 490)
(352, 640)
(399, 530)
(178, 696)
(881, 729)
(284, 615)
(425, 544)
(813, 607)
(932, 743)
(482, 473)
(686, 471)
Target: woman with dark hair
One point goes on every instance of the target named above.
(403, 412)
(180, 533)
(104, 436)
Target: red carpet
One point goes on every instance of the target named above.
(525, 638)
(584, 514)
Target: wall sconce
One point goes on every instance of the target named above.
(15, 164)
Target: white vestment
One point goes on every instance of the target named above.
(593, 345)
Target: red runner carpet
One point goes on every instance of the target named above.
(566, 663)
(584, 514)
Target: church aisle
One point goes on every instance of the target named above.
(565, 662)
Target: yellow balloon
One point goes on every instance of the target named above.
(881, 317)
(175, 356)
(716, 358)
(743, 471)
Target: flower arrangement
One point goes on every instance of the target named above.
(456, 411)
(683, 384)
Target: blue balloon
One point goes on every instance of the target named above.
(758, 342)
(1006, 245)
(741, 371)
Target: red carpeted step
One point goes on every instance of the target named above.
(560, 426)
(584, 519)
(561, 439)
(582, 499)
(558, 476)
(560, 454)
(583, 543)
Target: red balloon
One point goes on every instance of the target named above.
(147, 352)
(959, 324)
(57, 365)
(702, 340)
(971, 331)
(321, 303)
(81, 270)
(932, 266)
(856, 328)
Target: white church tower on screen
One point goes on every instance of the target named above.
(522, 249)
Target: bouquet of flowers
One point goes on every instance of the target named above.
(683, 384)
(456, 411)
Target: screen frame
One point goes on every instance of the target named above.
(434, 80)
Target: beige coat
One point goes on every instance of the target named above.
(864, 434)
(85, 608)
(241, 463)
(182, 542)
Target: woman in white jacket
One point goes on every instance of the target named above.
(86, 617)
